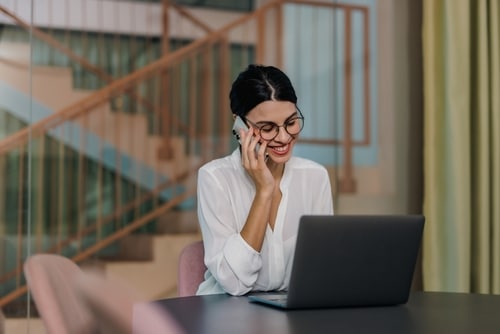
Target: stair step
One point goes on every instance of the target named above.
(134, 248)
(178, 222)
(33, 325)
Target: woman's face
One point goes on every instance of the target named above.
(267, 113)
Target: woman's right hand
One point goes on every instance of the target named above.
(254, 161)
(254, 230)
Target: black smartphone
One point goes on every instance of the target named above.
(237, 126)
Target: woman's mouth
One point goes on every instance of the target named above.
(280, 150)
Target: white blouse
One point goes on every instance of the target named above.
(225, 194)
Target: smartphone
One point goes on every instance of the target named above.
(238, 125)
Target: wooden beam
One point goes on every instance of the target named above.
(184, 12)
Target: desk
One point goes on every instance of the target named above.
(425, 312)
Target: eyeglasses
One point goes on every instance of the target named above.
(270, 130)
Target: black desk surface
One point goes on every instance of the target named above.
(425, 312)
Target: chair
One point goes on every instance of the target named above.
(191, 269)
(2, 322)
(117, 310)
(51, 279)
(71, 301)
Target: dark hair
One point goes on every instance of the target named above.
(257, 84)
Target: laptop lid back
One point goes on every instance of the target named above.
(357, 260)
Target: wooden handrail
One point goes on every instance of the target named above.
(184, 12)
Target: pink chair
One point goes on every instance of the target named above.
(118, 310)
(71, 301)
(2, 322)
(51, 279)
(191, 269)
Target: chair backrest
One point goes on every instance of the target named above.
(117, 310)
(191, 269)
(51, 279)
(71, 301)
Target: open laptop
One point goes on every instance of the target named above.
(351, 261)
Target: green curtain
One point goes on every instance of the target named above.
(461, 49)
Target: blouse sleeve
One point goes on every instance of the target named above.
(233, 263)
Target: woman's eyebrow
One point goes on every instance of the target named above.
(286, 119)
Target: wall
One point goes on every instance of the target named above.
(386, 164)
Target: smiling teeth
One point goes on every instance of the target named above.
(281, 148)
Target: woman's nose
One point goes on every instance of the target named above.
(283, 136)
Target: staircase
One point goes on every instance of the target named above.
(146, 261)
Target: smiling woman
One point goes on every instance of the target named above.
(250, 202)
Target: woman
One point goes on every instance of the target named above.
(250, 202)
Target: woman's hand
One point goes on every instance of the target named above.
(254, 161)
(254, 230)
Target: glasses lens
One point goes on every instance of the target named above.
(268, 131)
(294, 125)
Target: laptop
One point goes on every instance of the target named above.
(351, 261)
